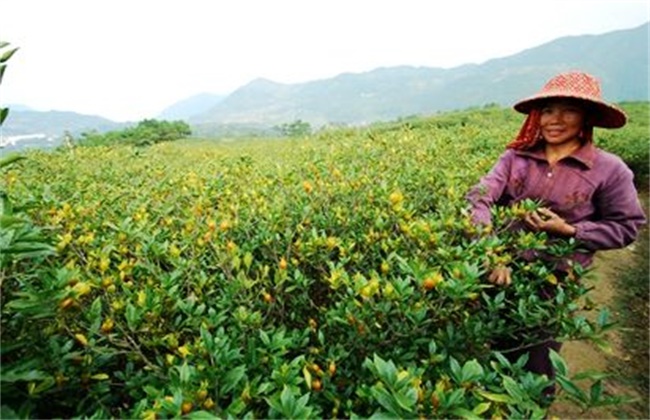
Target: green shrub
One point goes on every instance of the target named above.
(337, 276)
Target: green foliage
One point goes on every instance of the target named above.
(145, 133)
(4, 57)
(632, 304)
(19, 239)
(335, 276)
(631, 142)
(297, 128)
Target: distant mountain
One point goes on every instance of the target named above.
(619, 59)
(54, 123)
(18, 107)
(194, 105)
(36, 129)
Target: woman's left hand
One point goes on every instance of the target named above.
(544, 220)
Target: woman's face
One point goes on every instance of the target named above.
(561, 121)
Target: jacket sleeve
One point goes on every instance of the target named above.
(619, 214)
(489, 190)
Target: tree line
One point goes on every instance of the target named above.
(145, 133)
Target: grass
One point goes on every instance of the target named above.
(633, 303)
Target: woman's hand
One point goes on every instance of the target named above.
(500, 275)
(544, 220)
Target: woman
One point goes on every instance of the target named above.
(586, 193)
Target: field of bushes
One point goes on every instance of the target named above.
(334, 275)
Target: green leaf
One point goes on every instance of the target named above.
(248, 260)
(7, 412)
(132, 317)
(383, 397)
(456, 370)
(6, 218)
(513, 389)
(603, 317)
(7, 55)
(481, 408)
(286, 397)
(185, 373)
(385, 369)
(301, 410)
(232, 378)
(207, 339)
(558, 363)
(596, 392)
(407, 401)
(12, 158)
(307, 375)
(265, 338)
(26, 376)
(500, 398)
(201, 415)
(275, 404)
(236, 407)
(95, 312)
(591, 374)
(602, 344)
(464, 413)
(472, 371)
(572, 389)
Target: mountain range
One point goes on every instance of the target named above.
(618, 58)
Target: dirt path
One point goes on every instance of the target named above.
(581, 356)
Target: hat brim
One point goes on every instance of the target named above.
(607, 115)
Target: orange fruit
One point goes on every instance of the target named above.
(316, 385)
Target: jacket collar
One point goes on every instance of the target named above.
(586, 154)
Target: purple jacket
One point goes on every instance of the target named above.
(592, 190)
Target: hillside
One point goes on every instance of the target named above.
(389, 93)
(35, 129)
(189, 107)
(383, 94)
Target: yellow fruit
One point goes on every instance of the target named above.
(396, 198)
(316, 369)
(316, 385)
(82, 288)
(107, 325)
(149, 415)
(268, 298)
(313, 324)
(81, 339)
(332, 368)
(551, 278)
(307, 187)
(66, 303)
(432, 281)
(186, 407)
(183, 351)
(385, 267)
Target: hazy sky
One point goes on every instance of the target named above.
(129, 59)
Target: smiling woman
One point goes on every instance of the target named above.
(583, 192)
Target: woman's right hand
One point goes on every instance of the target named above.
(500, 275)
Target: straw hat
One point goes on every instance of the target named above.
(581, 86)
